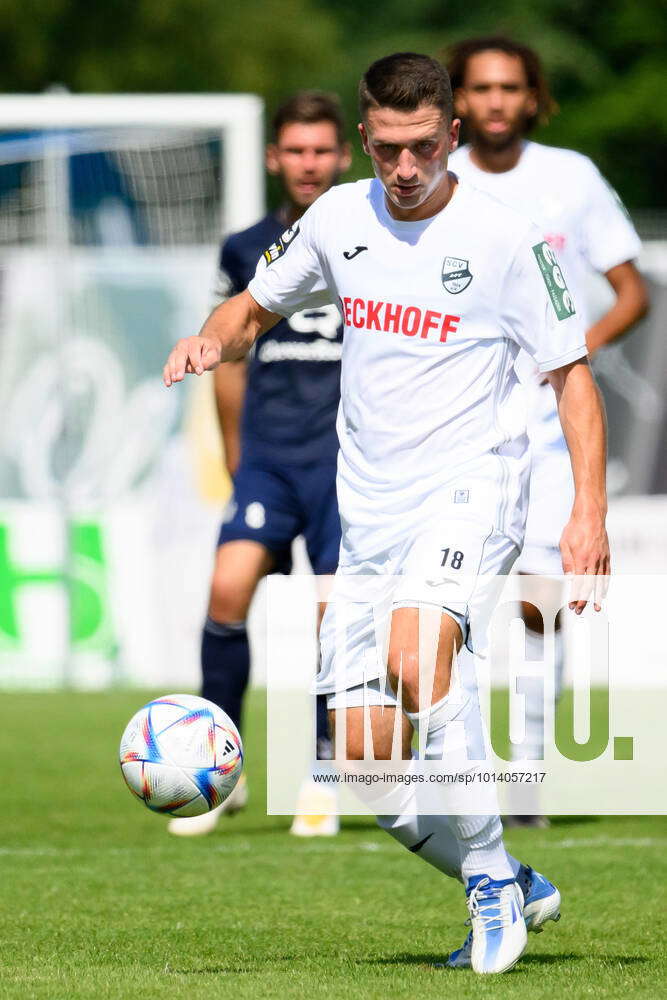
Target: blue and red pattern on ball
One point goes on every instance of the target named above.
(150, 739)
(152, 754)
(152, 751)
(203, 779)
(225, 768)
(168, 807)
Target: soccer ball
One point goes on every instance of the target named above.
(181, 754)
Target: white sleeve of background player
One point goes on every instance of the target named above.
(607, 236)
(289, 275)
(538, 311)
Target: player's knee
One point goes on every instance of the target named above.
(226, 602)
(403, 670)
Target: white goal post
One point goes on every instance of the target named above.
(112, 210)
(238, 118)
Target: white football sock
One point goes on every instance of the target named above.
(479, 838)
(427, 837)
(432, 839)
(481, 845)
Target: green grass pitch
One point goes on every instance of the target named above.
(99, 902)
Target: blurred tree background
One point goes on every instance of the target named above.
(603, 58)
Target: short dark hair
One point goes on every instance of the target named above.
(459, 54)
(310, 107)
(405, 81)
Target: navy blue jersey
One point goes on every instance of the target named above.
(293, 383)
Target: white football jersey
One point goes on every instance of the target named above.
(580, 216)
(565, 194)
(435, 313)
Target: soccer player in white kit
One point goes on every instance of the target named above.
(440, 287)
(500, 93)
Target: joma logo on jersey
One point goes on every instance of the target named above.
(280, 247)
(558, 291)
(386, 317)
(456, 274)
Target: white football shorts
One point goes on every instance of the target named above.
(455, 564)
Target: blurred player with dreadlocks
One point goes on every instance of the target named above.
(501, 94)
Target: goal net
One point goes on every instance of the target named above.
(111, 212)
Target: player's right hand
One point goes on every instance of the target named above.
(584, 547)
(191, 356)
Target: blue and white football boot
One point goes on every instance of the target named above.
(541, 899)
(498, 928)
(541, 902)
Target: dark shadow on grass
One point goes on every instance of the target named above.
(428, 960)
(438, 961)
(573, 820)
(232, 970)
(557, 821)
(570, 956)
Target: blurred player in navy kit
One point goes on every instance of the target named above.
(277, 413)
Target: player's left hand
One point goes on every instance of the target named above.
(584, 549)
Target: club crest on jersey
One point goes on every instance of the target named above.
(456, 274)
(281, 246)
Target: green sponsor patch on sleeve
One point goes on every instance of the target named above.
(558, 291)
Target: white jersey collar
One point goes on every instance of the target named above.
(379, 200)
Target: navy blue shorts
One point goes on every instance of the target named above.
(272, 504)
